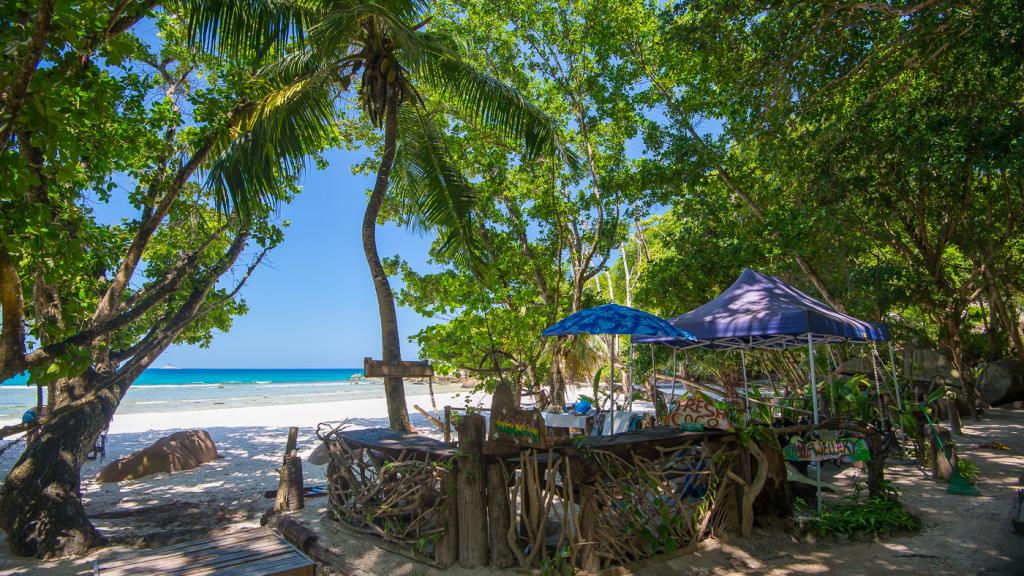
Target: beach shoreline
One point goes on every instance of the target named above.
(363, 412)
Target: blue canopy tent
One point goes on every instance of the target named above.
(617, 320)
(761, 311)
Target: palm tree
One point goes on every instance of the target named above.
(317, 51)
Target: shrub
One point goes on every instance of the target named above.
(875, 516)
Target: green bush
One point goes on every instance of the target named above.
(967, 469)
(876, 516)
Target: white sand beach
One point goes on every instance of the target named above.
(221, 495)
(961, 534)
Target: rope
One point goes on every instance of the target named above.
(878, 385)
(832, 381)
(7, 446)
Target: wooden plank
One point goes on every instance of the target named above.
(185, 560)
(284, 566)
(405, 369)
(196, 545)
(229, 557)
(256, 551)
(150, 554)
(391, 441)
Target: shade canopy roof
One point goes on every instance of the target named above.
(761, 311)
(615, 319)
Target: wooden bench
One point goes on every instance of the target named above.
(249, 552)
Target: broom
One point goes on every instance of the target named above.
(957, 484)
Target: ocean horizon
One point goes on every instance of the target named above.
(173, 389)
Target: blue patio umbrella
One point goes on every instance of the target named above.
(615, 319)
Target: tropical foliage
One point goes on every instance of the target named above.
(563, 155)
(406, 77)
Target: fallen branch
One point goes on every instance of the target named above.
(433, 420)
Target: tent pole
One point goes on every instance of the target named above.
(675, 370)
(896, 385)
(814, 402)
(746, 385)
(832, 382)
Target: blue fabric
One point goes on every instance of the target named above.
(615, 319)
(761, 306)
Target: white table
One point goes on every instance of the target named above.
(564, 420)
(622, 420)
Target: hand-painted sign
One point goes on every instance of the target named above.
(848, 449)
(522, 427)
(697, 410)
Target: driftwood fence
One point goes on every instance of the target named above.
(589, 504)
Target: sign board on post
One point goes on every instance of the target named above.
(697, 410)
(519, 427)
(846, 448)
(405, 369)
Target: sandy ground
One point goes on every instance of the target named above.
(215, 497)
(961, 535)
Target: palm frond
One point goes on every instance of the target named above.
(430, 190)
(478, 97)
(582, 356)
(273, 137)
(246, 28)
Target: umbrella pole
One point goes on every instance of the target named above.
(611, 390)
(814, 403)
(654, 383)
(629, 397)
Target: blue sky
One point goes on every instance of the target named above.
(312, 304)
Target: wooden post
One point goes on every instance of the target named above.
(290, 490)
(589, 561)
(447, 551)
(293, 440)
(954, 417)
(942, 467)
(472, 500)
(876, 466)
(498, 516)
(447, 424)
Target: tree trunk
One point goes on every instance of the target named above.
(391, 351)
(949, 342)
(41, 508)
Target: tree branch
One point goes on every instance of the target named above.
(14, 97)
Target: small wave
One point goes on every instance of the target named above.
(151, 402)
(183, 385)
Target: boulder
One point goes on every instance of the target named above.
(320, 455)
(1002, 382)
(180, 451)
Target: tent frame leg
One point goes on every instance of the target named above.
(814, 404)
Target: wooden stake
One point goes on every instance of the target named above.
(290, 490)
(447, 552)
(473, 551)
(498, 516)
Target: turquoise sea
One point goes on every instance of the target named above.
(173, 389)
